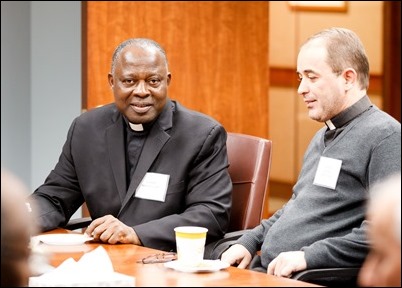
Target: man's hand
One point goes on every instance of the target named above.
(109, 229)
(237, 254)
(287, 263)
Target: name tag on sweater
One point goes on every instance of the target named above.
(153, 187)
(327, 172)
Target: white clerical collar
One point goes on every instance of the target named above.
(330, 125)
(136, 127)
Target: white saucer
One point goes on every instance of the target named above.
(204, 266)
(63, 239)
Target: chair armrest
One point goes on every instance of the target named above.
(78, 223)
(215, 249)
(328, 276)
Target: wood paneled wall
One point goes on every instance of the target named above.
(392, 59)
(217, 53)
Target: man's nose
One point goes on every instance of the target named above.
(141, 89)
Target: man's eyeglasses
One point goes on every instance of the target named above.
(158, 258)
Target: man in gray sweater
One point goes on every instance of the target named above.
(323, 224)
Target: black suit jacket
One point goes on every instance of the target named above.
(187, 145)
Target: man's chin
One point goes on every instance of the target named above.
(142, 119)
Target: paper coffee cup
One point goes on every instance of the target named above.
(190, 244)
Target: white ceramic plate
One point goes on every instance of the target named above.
(205, 266)
(64, 239)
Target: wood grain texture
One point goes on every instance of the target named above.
(124, 258)
(217, 52)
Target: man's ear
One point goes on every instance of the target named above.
(350, 77)
(110, 80)
(169, 78)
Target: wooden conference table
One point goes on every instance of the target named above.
(125, 256)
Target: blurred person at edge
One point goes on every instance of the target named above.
(382, 267)
(323, 224)
(143, 164)
(16, 230)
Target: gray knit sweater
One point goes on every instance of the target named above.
(328, 225)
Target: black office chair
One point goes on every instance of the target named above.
(329, 276)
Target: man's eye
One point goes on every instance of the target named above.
(128, 81)
(154, 81)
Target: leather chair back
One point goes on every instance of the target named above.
(250, 162)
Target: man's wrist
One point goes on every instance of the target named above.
(136, 240)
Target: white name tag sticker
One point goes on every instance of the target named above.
(153, 187)
(327, 172)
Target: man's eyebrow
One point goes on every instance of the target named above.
(306, 71)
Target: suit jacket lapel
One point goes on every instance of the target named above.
(115, 144)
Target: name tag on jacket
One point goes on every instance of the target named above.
(153, 187)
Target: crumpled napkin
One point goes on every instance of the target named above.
(94, 269)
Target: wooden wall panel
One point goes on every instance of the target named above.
(392, 59)
(217, 52)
